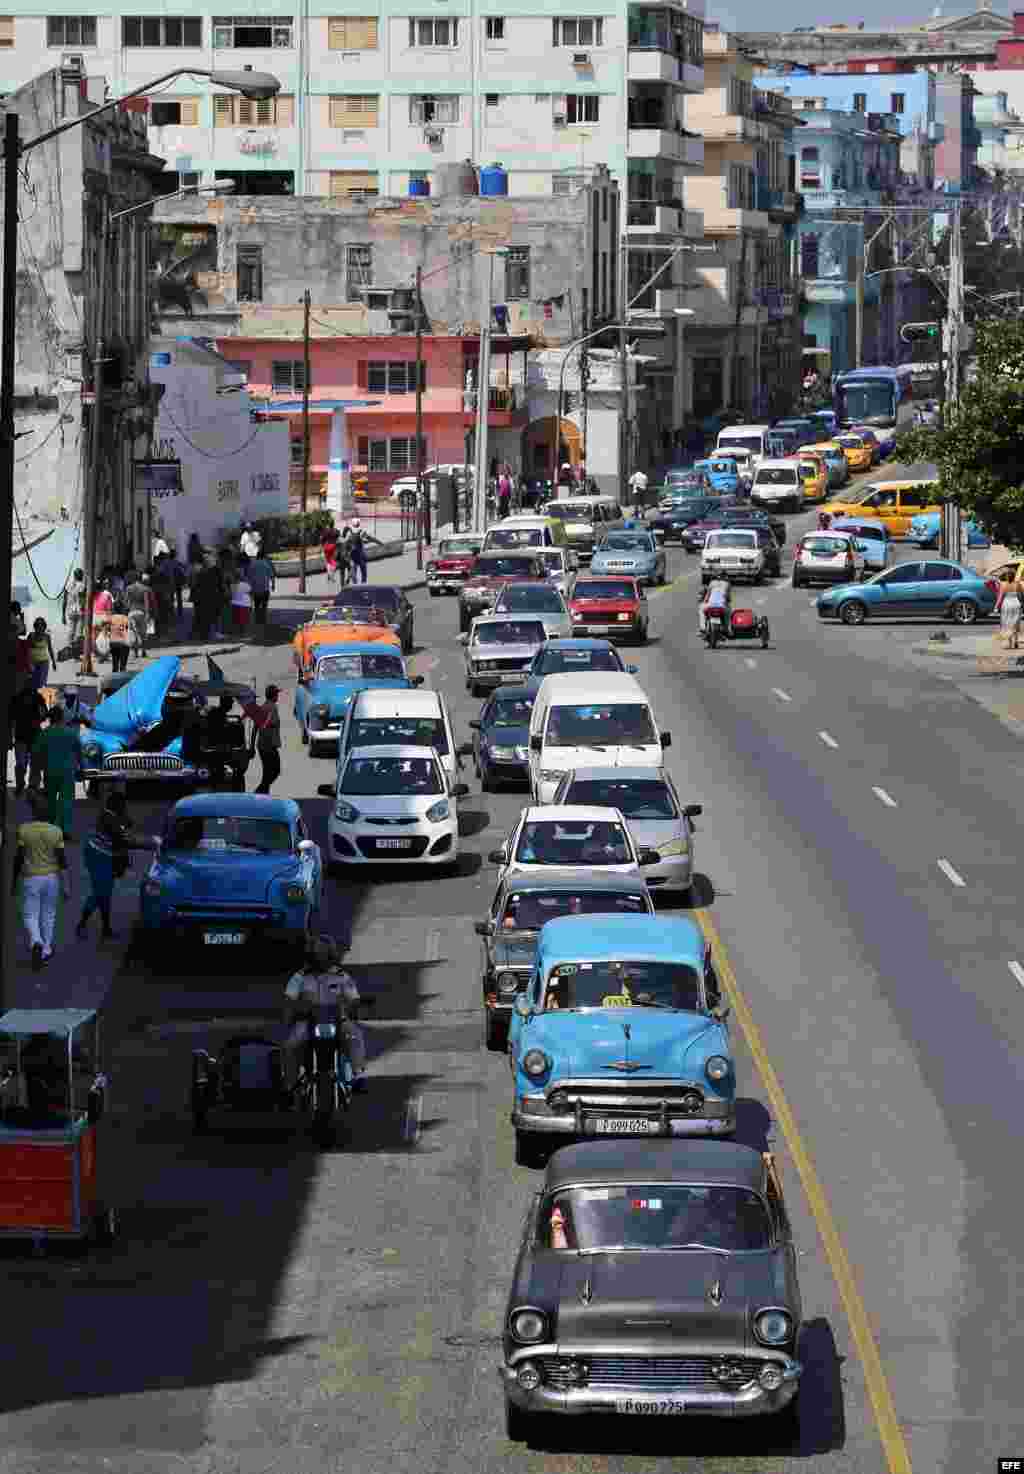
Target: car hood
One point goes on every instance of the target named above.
(392, 805)
(650, 833)
(231, 876)
(606, 601)
(337, 694)
(138, 706)
(506, 737)
(492, 585)
(664, 1041)
(564, 758)
(518, 949)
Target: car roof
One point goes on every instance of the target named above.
(594, 686)
(605, 774)
(597, 938)
(725, 1163)
(238, 806)
(392, 702)
(395, 750)
(789, 462)
(864, 526)
(353, 647)
(558, 877)
(567, 644)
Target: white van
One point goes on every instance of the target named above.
(517, 534)
(586, 519)
(760, 440)
(778, 484)
(578, 720)
(394, 718)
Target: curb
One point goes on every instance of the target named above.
(315, 562)
(941, 654)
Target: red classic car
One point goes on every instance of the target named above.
(448, 570)
(609, 605)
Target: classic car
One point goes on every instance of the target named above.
(682, 482)
(452, 564)
(501, 738)
(339, 628)
(655, 1278)
(632, 552)
(648, 801)
(559, 566)
(577, 654)
(491, 572)
(137, 732)
(620, 1032)
(499, 649)
(393, 805)
(722, 473)
(836, 464)
(337, 674)
(231, 868)
(521, 906)
(744, 463)
(389, 599)
(613, 606)
(764, 525)
(692, 536)
(536, 601)
(932, 590)
(925, 527)
(586, 519)
(587, 838)
(676, 515)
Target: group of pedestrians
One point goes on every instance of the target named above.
(345, 553)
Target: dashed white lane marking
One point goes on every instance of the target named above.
(886, 798)
(1017, 971)
(750, 663)
(828, 739)
(951, 875)
(413, 1117)
(782, 695)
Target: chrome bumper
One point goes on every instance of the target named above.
(717, 1118)
(143, 775)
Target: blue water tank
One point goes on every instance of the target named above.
(493, 180)
(419, 187)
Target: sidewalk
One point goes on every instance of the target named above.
(984, 671)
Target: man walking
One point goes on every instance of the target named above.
(40, 857)
(262, 582)
(266, 721)
(357, 551)
(56, 752)
(72, 611)
(140, 604)
(28, 713)
(638, 487)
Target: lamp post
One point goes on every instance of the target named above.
(483, 392)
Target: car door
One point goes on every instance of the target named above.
(942, 582)
(910, 501)
(899, 590)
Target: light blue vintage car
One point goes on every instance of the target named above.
(620, 1032)
(722, 472)
(925, 527)
(631, 551)
(338, 672)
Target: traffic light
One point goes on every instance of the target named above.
(920, 332)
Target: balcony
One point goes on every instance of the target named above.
(651, 60)
(506, 409)
(661, 143)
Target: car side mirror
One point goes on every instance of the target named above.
(463, 639)
(474, 724)
(632, 669)
(666, 739)
(458, 790)
(496, 857)
(325, 790)
(649, 857)
(306, 846)
(693, 811)
(418, 680)
(482, 928)
(522, 1006)
(535, 743)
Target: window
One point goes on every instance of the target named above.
(897, 100)
(358, 270)
(297, 452)
(6, 30)
(941, 573)
(391, 378)
(577, 31)
(161, 30)
(71, 30)
(355, 110)
(494, 28)
(562, 184)
(517, 274)
(860, 102)
(396, 454)
(352, 33)
(809, 155)
(352, 182)
(250, 274)
(741, 188)
(741, 97)
(241, 366)
(433, 32)
(181, 110)
(582, 107)
(232, 111)
(288, 375)
(426, 108)
(492, 101)
(809, 255)
(251, 33)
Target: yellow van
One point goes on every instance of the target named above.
(895, 503)
(813, 472)
(856, 449)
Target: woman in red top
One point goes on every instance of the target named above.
(329, 544)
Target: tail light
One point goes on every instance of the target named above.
(992, 584)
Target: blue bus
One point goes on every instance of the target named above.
(875, 396)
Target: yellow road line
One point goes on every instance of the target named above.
(896, 1452)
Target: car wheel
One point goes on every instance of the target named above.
(963, 611)
(798, 583)
(529, 1151)
(495, 1033)
(854, 611)
(519, 1423)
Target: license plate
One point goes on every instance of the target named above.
(624, 1125)
(223, 938)
(394, 844)
(658, 1406)
(513, 675)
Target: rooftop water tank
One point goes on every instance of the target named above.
(493, 180)
(419, 187)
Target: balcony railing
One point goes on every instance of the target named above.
(645, 212)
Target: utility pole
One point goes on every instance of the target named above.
(954, 307)
(306, 302)
(862, 274)
(483, 381)
(624, 419)
(422, 510)
(9, 311)
(90, 506)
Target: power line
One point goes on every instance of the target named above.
(209, 454)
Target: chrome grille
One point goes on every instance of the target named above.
(396, 819)
(649, 1373)
(504, 662)
(143, 762)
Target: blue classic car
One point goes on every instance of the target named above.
(137, 732)
(722, 472)
(620, 1033)
(872, 539)
(933, 589)
(337, 674)
(632, 551)
(925, 527)
(232, 868)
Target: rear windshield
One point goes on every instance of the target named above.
(550, 662)
(509, 632)
(826, 545)
(623, 985)
(209, 832)
(777, 476)
(351, 667)
(516, 537)
(606, 589)
(568, 512)
(625, 725)
(398, 732)
(385, 777)
(528, 910)
(499, 567)
(737, 539)
(537, 599)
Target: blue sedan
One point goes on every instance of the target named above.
(634, 552)
(501, 744)
(232, 869)
(925, 528)
(933, 589)
(322, 697)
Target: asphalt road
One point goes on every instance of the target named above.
(272, 1308)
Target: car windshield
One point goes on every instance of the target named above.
(639, 542)
(351, 667)
(635, 798)
(736, 539)
(510, 711)
(744, 442)
(826, 546)
(574, 842)
(227, 832)
(531, 599)
(623, 984)
(529, 910)
(853, 442)
(610, 588)
(550, 662)
(398, 732)
(516, 537)
(625, 725)
(553, 559)
(509, 632)
(368, 596)
(654, 1215)
(380, 777)
(680, 486)
(499, 567)
(458, 547)
(777, 476)
(569, 511)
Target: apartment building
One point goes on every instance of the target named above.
(745, 336)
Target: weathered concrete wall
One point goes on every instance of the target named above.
(829, 48)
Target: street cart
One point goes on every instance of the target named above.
(52, 1101)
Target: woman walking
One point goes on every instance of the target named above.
(106, 858)
(329, 547)
(40, 858)
(241, 602)
(1011, 606)
(40, 649)
(266, 722)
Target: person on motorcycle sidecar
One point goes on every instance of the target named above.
(717, 599)
(322, 981)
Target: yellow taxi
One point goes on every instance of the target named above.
(813, 472)
(896, 503)
(857, 450)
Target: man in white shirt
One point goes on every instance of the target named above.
(161, 547)
(250, 542)
(322, 982)
(638, 486)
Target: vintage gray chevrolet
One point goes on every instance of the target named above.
(654, 1278)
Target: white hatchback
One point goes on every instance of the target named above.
(393, 805)
(827, 557)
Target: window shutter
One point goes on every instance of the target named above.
(285, 112)
(348, 181)
(244, 111)
(189, 112)
(336, 34)
(264, 111)
(352, 33)
(362, 374)
(354, 111)
(223, 112)
(6, 30)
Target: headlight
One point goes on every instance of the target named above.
(151, 887)
(550, 775)
(717, 1067)
(508, 983)
(93, 751)
(346, 813)
(771, 1377)
(528, 1376)
(527, 1325)
(576, 614)
(439, 811)
(503, 754)
(536, 1063)
(325, 1031)
(773, 1327)
(294, 894)
(431, 567)
(674, 847)
(625, 616)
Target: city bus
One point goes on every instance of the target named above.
(875, 396)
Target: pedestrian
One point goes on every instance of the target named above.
(194, 551)
(162, 583)
(17, 618)
(241, 603)
(120, 634)
(28, 712)
(41, 859)
(357, 551)
(180, 577)
(102, 608)
(250, 544)
(161, 547)
(206, 600)
(72, 609)
(329, 547)
(106, 857)
(638, 488)
(266, 736)
(139, 600)
(40, 653)
(262, 581)
(504, 495)
(57, 757)
(1011, 602)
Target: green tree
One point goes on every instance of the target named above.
(979, 449)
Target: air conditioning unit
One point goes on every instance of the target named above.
(72, 62)
(433, 135)
(559, 120)
(581, 58)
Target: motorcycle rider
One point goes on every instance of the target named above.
(322, 981)
(717, 598)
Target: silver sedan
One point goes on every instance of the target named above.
(499, 649)
(536, 601)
